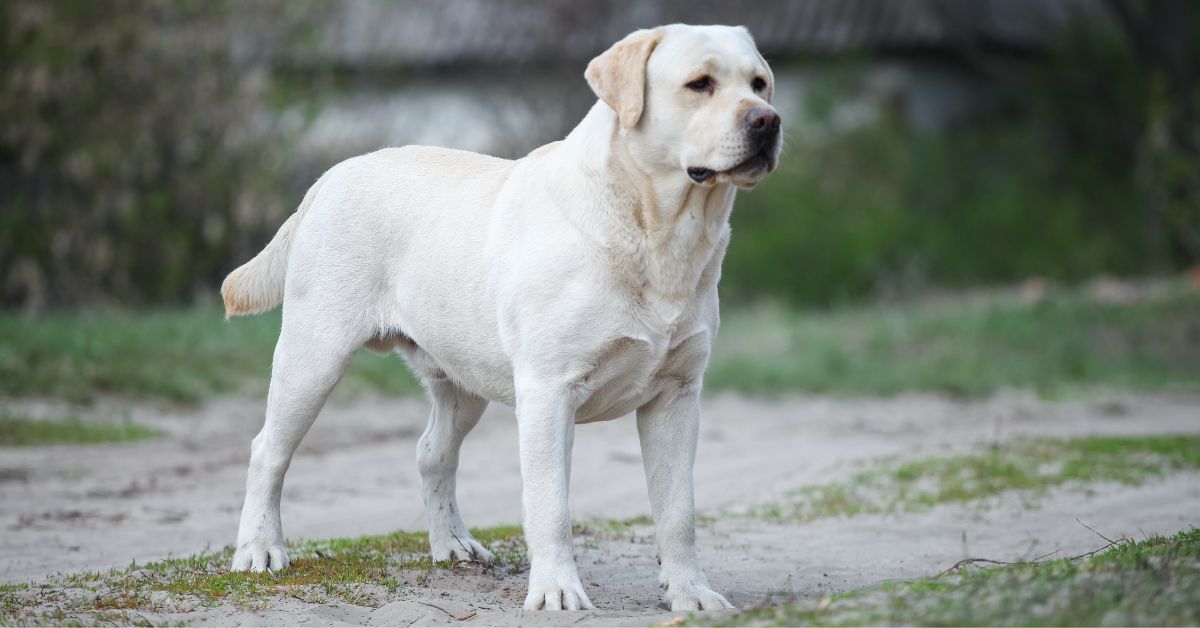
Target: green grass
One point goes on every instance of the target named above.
(183, 355)
(331, 565)
(965, 347)
(1150, 582)
(24, 432)
(1031, 466)
(367, 571)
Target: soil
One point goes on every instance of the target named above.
(71, 508)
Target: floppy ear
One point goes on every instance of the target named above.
(618, 75)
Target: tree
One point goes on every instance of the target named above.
(131, 156)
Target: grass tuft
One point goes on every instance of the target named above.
(968, 347)
(18, 431)
(1150, 582)
(1023, 465)
(367, 571)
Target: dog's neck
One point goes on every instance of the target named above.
(661, 229)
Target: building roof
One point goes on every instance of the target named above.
(427, 33)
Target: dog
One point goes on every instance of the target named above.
(576, 284)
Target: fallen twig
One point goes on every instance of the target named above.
(466, 617)
(971, 561)
(1110, 541)
(435, 606)
(1097, 550)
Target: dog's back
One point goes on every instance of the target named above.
(436, 192)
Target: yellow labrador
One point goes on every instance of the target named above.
(577, 284)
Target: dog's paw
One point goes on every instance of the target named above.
(457, 548)
(257, 556)
(690, 592)
(556, 590)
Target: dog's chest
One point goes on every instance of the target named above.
(629, 372)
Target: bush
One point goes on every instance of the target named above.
(880, 210)
(132, 165)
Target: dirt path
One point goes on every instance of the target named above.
(74, 508)
(749, 560)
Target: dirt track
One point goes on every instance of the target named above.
(71, 508)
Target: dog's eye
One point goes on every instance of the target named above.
(758, 84)
(702, 84)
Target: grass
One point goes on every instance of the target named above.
(1150, 582)
(23, 432)
(333, 565)
(969, 347)
(964, 347)
(1156, 581)
(367, 571)
(1025, 465)
(185, 355)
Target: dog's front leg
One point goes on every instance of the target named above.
(668, 427)
(546, 427)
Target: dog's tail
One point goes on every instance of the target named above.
(257, 285)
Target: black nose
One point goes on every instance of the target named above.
(762, 122)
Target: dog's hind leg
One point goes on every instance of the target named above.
(454, 413)
(309, 360)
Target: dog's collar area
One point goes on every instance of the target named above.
(700, 175)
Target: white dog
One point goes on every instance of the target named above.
(577, 284)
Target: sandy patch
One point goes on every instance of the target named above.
(73, 508)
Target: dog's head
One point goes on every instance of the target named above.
(694, 101)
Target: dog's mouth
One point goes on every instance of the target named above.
(754, 167)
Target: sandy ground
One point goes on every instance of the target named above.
(71, 508)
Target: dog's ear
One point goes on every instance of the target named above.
(618, 75)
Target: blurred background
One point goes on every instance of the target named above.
(985, 227)
(147, 147)
(1037, 151)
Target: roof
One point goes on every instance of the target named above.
(424, 33)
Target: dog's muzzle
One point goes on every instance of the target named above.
(763, 131)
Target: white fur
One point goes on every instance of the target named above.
(577, 284)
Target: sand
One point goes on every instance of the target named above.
(70, 508)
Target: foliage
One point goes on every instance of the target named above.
(132, 162)
(1162, 40)
(143, 152)
(881, 210)
(1080, 159)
